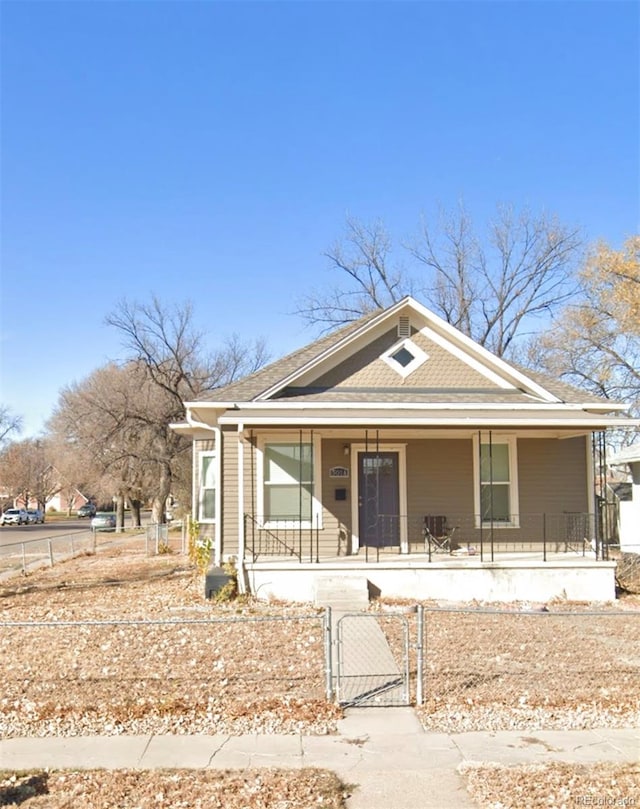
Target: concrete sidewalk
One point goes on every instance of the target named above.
(384, 751)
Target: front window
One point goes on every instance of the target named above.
(288, 482)
(207, 500)
(496, 477)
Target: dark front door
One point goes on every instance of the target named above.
(378, 499)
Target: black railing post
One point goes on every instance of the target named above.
(544, 537)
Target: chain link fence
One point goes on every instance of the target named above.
(504, 669)
(21, 556)
(196, 676)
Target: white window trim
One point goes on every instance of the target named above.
(514, 503)
(419, 357)
(316, 501)
(208, 453)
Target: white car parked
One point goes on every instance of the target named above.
(14, 516)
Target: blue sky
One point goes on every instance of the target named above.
(210, 151)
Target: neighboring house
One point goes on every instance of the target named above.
(328, 461)
(629, 458)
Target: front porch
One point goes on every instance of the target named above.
(541, 536)
(515, 576)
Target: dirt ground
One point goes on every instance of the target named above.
(554, 786)
(125, 643)
(195, 789)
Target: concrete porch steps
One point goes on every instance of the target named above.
(342, 593)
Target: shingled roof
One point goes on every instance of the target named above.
(252, 387)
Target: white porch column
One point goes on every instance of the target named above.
(241, 521)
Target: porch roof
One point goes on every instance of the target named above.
(424, 417)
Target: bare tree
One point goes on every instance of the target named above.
(491, 288)
(9, 423)
(27, 471)
(163, 343)
(364, 257)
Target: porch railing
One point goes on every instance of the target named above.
(282, 536)
(539, 535)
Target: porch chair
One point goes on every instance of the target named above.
(437, 534)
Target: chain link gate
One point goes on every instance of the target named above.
(372, 660)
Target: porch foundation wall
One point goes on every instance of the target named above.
(481, 581)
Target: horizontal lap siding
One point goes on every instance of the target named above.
(440, 477)
(230, 522)
(552, 475)
(335, 537)
(552, 478)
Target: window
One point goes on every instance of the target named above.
(288, 485)
(207, 499)
(496, 494)
(404, 357)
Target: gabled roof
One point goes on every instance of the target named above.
(345, 366)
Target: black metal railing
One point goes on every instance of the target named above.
(282, 536)
(436, 536)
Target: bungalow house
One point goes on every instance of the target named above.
(398, 451)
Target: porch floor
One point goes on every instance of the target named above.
(509, 577)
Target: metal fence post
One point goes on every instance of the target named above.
(50, 551)
(420, 656)
(328, 644)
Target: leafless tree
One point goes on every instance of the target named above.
(364, 257)
(491, 288)
(26, 469)
(9, 424)
(118, 418)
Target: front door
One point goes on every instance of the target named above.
(378, 499)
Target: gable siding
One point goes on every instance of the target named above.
(366, 370)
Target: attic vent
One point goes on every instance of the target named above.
(404, 327)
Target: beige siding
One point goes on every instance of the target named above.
(552, 480)
(335, 538)
(552, 475)
(441, 370)
(230, 523)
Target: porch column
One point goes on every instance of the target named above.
(241, 522)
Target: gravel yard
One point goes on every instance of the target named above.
(125, 643)
(554, 786)
(157, 658)
(193, 789)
